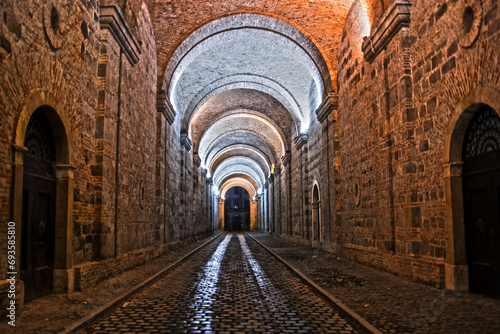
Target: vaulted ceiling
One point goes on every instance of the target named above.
(243, 85)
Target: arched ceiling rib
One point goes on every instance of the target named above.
(241, 101)
(249, 21)
(237, 137)
(241, 122)
(240, 180)
(242, 52)
(239, 165)
(220, 77)
(241, 150)
(243, 81)
(244, 86)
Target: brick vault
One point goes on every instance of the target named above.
(366, 128)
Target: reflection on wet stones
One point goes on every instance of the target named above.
(230, 285)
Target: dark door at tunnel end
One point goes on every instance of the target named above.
(236, 223)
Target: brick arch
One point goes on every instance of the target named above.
(245, 150)
(247, 101)
(239, 165)
(277, 140)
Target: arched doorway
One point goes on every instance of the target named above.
(481, 196)
(236, 209)
(39, 195)
(42, 196)
(316, 220)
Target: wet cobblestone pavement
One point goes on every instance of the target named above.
(392, 304)
(231, 286)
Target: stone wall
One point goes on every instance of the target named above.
(57, 63)
(395, 112)
(88, 274)
(100, 78)
(378, 154)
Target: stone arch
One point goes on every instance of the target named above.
(238, 182)
(299, 78)
(63, 273)
(245, 81)
(280, 144)
(268, 21)
(456, 273)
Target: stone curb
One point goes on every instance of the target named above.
(80, 325)
(359, 322)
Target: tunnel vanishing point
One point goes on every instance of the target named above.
(366, 128)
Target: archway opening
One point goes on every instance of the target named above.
(316, 219)
(237, 209)
(38, 206)
(481, 198)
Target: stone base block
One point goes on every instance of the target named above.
(64, 280)
(457, 277)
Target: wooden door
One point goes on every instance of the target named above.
(481, 193)
(37, 254)
(236, 223)
(39, 195)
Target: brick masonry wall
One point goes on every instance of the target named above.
(29, 64)
(318, 171)
(393, 129)
(137, 150)
(385, 150)
(92, 83)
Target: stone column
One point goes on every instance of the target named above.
(271, 224)
(266, 207)
(64, 273)
(286, 161)
(301, 145)
(253, 214)
(221, 214)
(325, 114)
(277, 194)
(456, 269)
(166, 119)
(184, 187)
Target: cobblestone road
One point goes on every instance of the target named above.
(390, 303)
(231, 286)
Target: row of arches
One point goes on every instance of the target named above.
(480, 183)
(239, 144)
